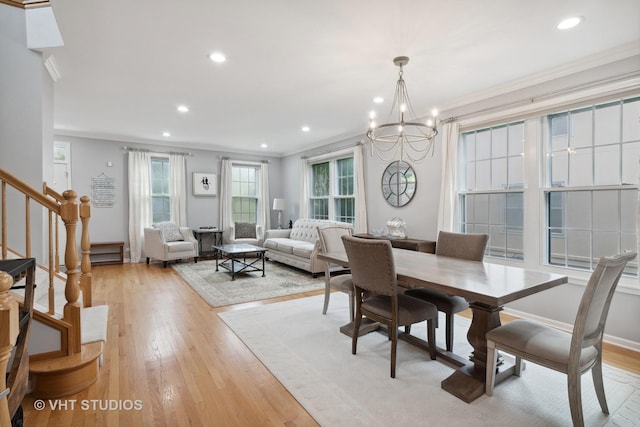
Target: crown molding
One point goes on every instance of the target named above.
(27, 4)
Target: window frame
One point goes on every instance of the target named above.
(165, 162)
(333, 197)
(536, 129)
(242, 216)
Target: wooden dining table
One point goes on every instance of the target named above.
(487, 287)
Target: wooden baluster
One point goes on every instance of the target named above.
(27, 213)
(85, 244)
(9, 329)
(69, 212)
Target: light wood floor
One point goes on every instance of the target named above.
(180, 362)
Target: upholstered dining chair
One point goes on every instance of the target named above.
(456, 245)
(570, 353)
(330, 239)
(377, 296)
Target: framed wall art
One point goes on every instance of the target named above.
(205, 184)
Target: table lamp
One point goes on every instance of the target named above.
(279, 205)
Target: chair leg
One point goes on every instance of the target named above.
(596, 373)
(147, 260)
(492, 360)
(575, 398)
(431, 338)
(351, 309)
(327, 294)
(393, 332)
(518, 367)
(356, 330)
(449, 332)
(407, 329)
(165, 263)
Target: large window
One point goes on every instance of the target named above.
(591, 193)
(492, 185)
(244, 181)
(333, 190)
(160, 198)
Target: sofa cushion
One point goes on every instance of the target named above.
(170, 231)
(304, 250)
(180, 246)
(273, 243)
(245, 230)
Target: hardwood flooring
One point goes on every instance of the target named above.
(170, 361)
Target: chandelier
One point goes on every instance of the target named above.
(403, 136)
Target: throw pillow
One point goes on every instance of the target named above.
(170, 231)
(245, 230)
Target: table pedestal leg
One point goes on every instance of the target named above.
(468, 382)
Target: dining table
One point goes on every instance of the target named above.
(487, 287)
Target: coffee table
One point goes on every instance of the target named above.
(236, 258)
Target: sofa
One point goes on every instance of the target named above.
(298, 246)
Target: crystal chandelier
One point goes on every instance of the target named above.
(405, 137)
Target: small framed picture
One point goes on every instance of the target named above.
(205, 184)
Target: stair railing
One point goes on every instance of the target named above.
(66, 207)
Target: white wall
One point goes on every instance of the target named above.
(26, 120)
(89, 158)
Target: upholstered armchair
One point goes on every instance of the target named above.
(246, 232)
(167, 242)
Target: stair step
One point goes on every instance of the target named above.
(62, 376)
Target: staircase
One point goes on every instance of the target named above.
(67, 332)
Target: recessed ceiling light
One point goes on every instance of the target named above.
(166, 134)
(569, 22)
(305, 129)
(183, 108)
(217, 57)
(378, 100)
(263, 145)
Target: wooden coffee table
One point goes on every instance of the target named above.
(235, 258)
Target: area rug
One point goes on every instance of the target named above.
(312, 359)
(217, 288)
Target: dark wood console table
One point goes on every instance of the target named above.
(428, 246)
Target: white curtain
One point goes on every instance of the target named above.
(178, 189)
(226, 192)
(361, 201)
(264, 217)
(447, 209)
(638, 221)
(304, 189)
(139, 201)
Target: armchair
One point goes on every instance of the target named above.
(246, 232)
(177, 243)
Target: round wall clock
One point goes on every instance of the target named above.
(398, 183)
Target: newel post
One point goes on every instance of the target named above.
(85, 244)
(69, 213)
(9, 329)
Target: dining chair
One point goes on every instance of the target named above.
(330, 239)
(455, 245)
(377, 296)
(570, 353)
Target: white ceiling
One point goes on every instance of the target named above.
(126, 65)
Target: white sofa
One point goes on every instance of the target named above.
(298, 246)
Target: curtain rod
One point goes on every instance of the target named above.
(146, 150)
(532, 99)
(229, 158)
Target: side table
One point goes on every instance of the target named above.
(428, 246)
(211, 236)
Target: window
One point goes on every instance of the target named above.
(492, 187)
(592, 160)
(160, 198)
(333, 190)
(244, 181)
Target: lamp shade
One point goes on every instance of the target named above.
(279, 204)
